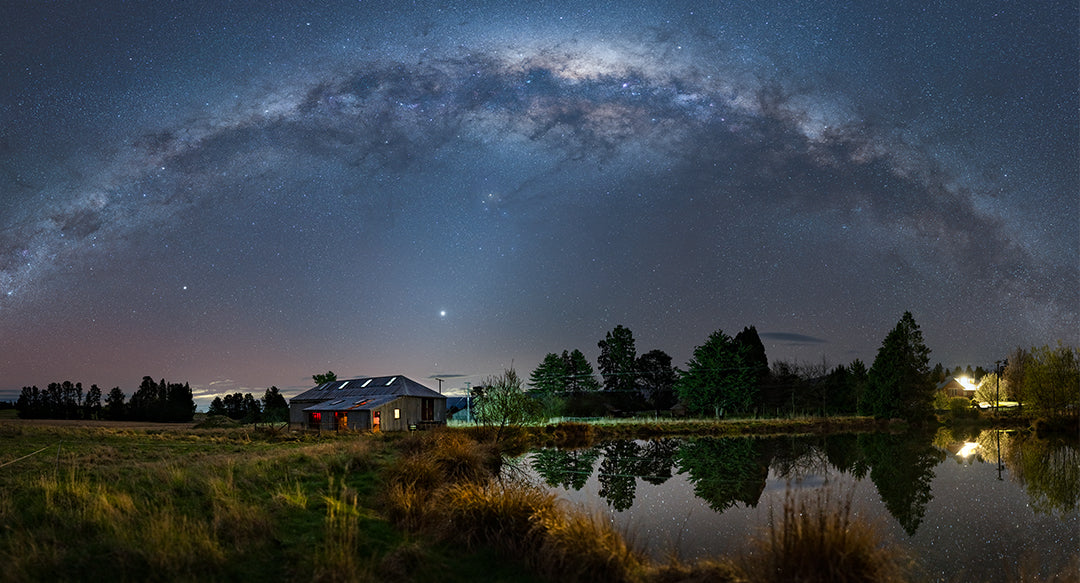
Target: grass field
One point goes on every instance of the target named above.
(127, 503)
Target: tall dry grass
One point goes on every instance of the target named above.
(446, 487)
(180, 505)
(817, 539)
(338, 559)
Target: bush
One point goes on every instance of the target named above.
(959, 407)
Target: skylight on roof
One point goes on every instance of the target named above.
(366, 383)
(391, 381)
(338, 402)
(343, 385)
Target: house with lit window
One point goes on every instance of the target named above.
(392, 403)
(957, 387)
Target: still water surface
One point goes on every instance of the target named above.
(981, 506)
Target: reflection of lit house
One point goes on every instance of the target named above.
(957, 387)
(368, 404)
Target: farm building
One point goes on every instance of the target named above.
(392, 403)
(957, 387)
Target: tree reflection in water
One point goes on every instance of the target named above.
(728, 471)
(902, 469)
(565, 468)
(618, 473)
(1048, 469)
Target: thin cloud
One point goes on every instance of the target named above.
(793, 338)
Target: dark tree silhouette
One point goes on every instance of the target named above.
(327, 377)
(658, 460)
(755, 351)
(29, 404)
(549, 376)
(617, 360)
(899, 380)
(726, 471)
(115, 408)
(579, 373)
(618, 473)
(92, 403)
(656, 379)
(565, 468)
(902, 469)
(275, 407)
(162, 401)
(241, 407)
(217, 407)
(718, 378)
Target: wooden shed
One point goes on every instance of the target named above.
(390, 403)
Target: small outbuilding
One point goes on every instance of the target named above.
(391, 403)
(957, 387)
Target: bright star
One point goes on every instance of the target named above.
(442, 313)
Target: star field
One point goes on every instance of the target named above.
(242, 196)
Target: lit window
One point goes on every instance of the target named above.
(397, 413)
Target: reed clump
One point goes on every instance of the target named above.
(818, 539)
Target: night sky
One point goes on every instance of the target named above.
(242, 194)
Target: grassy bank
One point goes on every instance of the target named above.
(644, 428)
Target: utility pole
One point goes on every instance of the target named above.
(468, 401)
(997, 389)
(1000, 466)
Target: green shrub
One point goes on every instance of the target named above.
(959, 408)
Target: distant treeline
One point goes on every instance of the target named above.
(153, 401)
(731, 375)
(272, 408)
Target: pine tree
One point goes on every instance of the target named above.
(898, 383)
(275, 407)
(579, 373)
(550, 375)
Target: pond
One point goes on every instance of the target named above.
(983, 506)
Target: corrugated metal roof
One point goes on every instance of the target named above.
(367, 387)
(353, 404)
